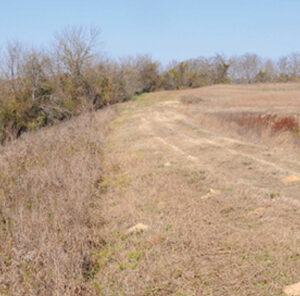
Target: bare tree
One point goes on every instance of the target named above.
(11, 66)
(270, 68)
(234, 71)
(250, 65)
(243, 69)
(14, 56)
(294, 62)
(74, 48)
(283, 69)
(283, 65)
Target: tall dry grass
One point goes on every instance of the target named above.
(50, 214)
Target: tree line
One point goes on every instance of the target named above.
(39, 87)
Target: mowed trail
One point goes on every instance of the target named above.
(219, 220)
(233, 161)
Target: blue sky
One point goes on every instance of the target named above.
(166, 29)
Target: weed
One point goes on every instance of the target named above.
(191, 99)
(274, 195)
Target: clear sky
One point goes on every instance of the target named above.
(166, 29)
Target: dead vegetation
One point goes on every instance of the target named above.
(176, 201)
(40, 87)
(50, 208)
(191, 99)
(265, 113)
(219, 219)
(260, 124)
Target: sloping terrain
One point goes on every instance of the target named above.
(219, 207)
(184, 193)
(50, 208)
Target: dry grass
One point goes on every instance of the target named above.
(267, 113)
(220, 221)
(50, 212)
(240, 238)
(191, 99)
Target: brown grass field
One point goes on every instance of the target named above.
(205, 171)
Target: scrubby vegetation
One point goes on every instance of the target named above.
(41, 87)
(50, 210)
(65, 210)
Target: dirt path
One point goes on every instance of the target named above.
(220, 221)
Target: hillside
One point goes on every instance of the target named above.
(209, 176)
(50, 207)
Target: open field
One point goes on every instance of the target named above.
(221, 222)
(202, 172)
(267, 113)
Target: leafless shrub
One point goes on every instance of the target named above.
(191, 99)
(74, 49)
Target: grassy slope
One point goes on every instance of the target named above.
(50, 208)
(65, 209)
